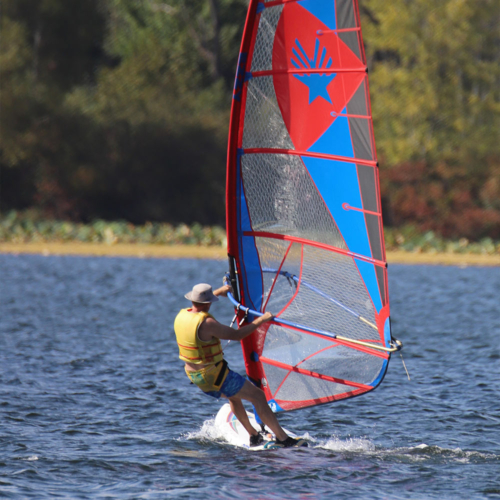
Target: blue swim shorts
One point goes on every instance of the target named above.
(217, 380)
(231, 386)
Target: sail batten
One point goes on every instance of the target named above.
(326, 156)
(304, 223)
(306, 71)
(285, 237)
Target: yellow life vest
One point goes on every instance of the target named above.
(191, 348)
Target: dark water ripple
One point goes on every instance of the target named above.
(95, 404)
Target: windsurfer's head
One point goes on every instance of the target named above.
(201, 296)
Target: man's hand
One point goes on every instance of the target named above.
(263, 319)
(267, 317)
(223, 290)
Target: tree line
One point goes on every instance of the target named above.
(119, 109)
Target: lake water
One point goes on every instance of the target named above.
(95, 404)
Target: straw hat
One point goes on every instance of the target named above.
(201, 293)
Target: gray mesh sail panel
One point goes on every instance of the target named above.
(299, 387)
(291, 346)
(264, 126)
(381, 274)
(367, 184)
(351, 39)
(345, 14)
(337, 277)
(345, 363)
(360, 132)
(272, 253)
(274, 376)
(288, 202)
(346, 19)
(358, 102)
(262, 58)
(330, 284)
(373, 226)
(271, 258)
(325, 356)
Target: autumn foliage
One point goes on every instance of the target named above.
(442, 199)
(119, 109)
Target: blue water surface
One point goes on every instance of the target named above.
(94, 402)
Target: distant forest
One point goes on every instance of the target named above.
(119, 109)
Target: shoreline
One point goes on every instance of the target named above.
(212, 252)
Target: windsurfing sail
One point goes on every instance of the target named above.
(304, 224)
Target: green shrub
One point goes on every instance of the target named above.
(25, 227)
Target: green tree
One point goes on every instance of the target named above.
(174, 85)
(43, 52)
(115, 109)
(435, 85)
(119, 108)
(436, 78)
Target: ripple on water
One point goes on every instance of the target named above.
(95, 403)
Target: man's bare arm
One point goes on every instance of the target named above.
(212, 328)
(223, 290)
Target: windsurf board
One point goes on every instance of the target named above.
(235, 434)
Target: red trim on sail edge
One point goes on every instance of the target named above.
(309, 373)
(339, 54)
(280, 386)
(360, 35)
(346, 206)
(298, 284)
(234, 126)
(374, 149)
(296, 405)
(347, 115)
(254, 370)
(300, 362)
(324, 246)
(369, 243)
(341, 30)
(270, 72)
(278, 2)
(276, 276)
(242, 265)
(274, 3)
(325, 156)
(335, 344)
(345, 343)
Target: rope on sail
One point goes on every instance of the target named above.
(395, 345)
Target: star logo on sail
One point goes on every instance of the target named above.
(317, 83)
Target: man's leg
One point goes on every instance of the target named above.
(256, 396)
(241, 415)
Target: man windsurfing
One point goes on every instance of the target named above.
(198, 336)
